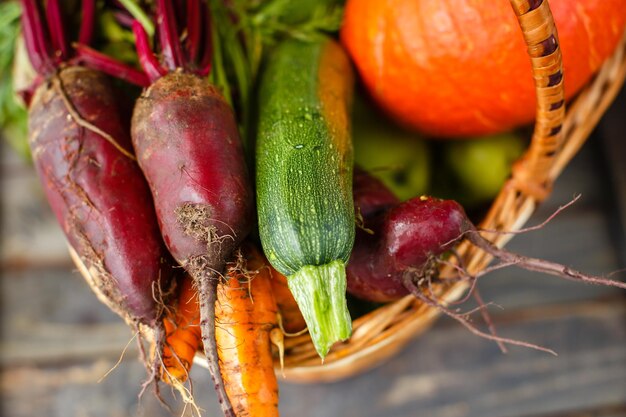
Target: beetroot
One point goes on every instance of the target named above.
(370, 195)
(188, 147)
(420, 229)
(403, 239)
(409, 239)
(366, 278)
(400, 248)
(81, 148)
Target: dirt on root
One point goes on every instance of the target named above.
(195, 219)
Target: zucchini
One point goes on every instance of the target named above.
(304, 179)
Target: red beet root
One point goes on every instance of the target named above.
(409, 239)
(406, 238)
(188, 146)
(370, 195)
(420, 229)
(82, 151)
(99, 195)
(366, 278)
(403, 254)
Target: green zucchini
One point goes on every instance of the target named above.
(304, 179)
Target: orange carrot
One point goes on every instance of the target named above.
(290, 315)
(182, 335)
(245, 315)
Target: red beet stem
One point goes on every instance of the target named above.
(55, 23)
(100, 62)
(180, 11)
(39, 50)
(87, 22)
(206, 60)
(168, 35)
(194, 20)
(148, 61)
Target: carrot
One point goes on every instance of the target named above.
(291, 318)
(245, 315)
(182, 335)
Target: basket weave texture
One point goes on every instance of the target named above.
(558, 135)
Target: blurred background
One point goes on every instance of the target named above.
(59, 347)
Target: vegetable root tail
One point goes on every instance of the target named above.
(413, 288)
(537, 265)
(154, 367)
(207, 295)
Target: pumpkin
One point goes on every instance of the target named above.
(454, 68)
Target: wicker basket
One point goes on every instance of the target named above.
(557, 137)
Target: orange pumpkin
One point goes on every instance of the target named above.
(459, 67)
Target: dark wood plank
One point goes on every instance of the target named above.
(612, 410)
(31, 237)
(613, 133)
(444, 374)
(51, 317)
(77, 390)
(422, 377)
(448, 373)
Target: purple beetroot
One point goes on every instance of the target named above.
(188, 146)
(81, 148)
(405, 244)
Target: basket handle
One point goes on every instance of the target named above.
(531, 172)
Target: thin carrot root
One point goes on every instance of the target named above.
(153, 367)
(187, 396)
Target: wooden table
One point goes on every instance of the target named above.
(58, 342)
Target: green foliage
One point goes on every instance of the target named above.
(12, 114)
